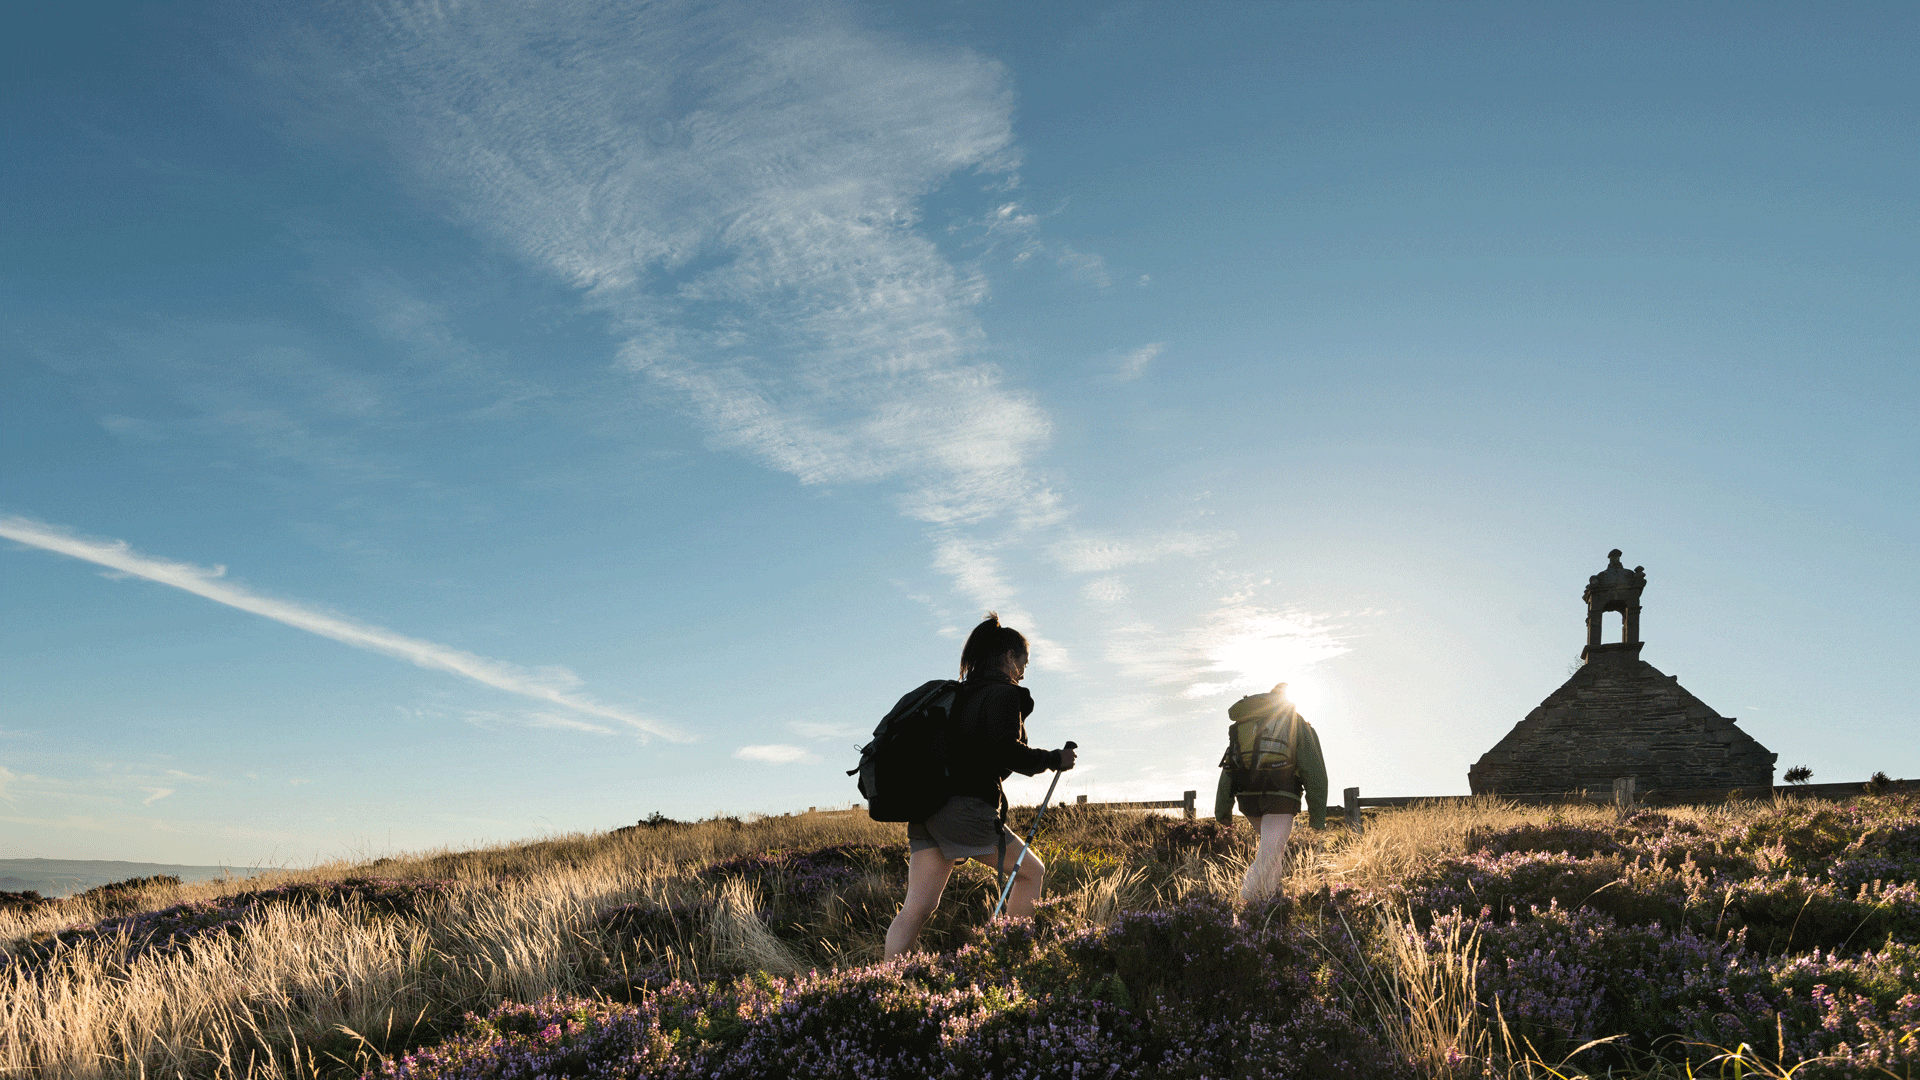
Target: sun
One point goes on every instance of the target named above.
(1307, 693)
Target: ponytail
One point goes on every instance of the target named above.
(988, 643)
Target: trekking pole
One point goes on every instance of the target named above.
(1031, 833)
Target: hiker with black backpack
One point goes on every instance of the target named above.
(976, 737)
(1272, 760)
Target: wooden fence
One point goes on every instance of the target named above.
(1626, 795)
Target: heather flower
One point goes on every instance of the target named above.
(1189, 992)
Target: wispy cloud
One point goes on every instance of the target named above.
(1085, 266)
(1094, 555)
(811, 730)
(977, 575)
(551, 721)
(776, 754)
(1134, 364)
(557, 722)
(555, 686)
(1106, 591)
(1014, 227)
(155, 794)
(749, 223)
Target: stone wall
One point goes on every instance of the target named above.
(1619, 716)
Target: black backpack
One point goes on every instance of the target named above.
(902, 775)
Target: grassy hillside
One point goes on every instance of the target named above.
(1445, 941)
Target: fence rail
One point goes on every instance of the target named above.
(1184, 802)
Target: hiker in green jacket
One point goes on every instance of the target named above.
(1272, 759)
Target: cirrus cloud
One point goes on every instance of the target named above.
(749, 223)
(556, 686)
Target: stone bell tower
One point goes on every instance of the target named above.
(1614, 589)
(1620, 716)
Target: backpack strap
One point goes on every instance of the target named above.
(1000, 837)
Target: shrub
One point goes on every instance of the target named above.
(1652, 836)
(1564, 977)
(1177, 839)
(1860, 1014)
(655, 820)
(656, 932)
(804, 877)
(132, 884)
(1188, 992)
(1552, 837)
(25, 900)
(1780, 914)
(1806, 834)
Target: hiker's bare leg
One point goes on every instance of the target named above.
(927, 874)
(1270, 862)
(1027, 883)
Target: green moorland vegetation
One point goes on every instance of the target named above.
(1758, 939)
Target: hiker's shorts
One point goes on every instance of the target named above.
(1258, 804)
(965, 828)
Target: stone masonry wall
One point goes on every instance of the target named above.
(1620, 716)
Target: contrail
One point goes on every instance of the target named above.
(554, 687)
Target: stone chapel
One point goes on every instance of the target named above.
(1619, 716)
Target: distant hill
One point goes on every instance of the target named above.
(64, 877)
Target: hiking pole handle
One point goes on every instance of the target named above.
(1031, 833)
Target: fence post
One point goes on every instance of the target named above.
(1352, 795)
(1623, 793)
(1187, 797)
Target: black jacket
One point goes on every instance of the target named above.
(986, 741)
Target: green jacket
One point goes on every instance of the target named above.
(1312, 770)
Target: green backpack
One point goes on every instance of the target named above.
(1260, 747)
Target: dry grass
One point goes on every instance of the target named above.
(307, 991)
(267, 1002)
(322, 991)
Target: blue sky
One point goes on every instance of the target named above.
(428, 424)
